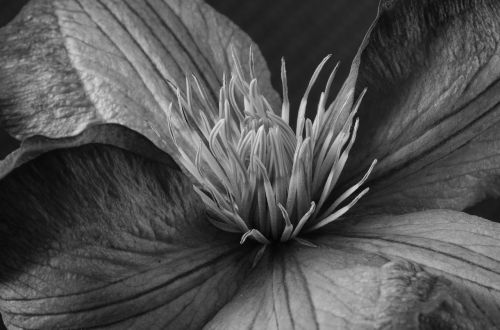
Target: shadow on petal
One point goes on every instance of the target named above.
(97, 236)
(8, 144)
(488, 209)
(431, 112)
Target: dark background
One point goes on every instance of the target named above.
(302, 31)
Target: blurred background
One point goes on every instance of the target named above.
(304, 32)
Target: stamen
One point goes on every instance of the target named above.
(256, 235)
(303, 102)
(339, 212)
(351, 190)
(287, 232)
(259, 255)
(303, 220)
(305, 242)
(285, 109)
(256, 176)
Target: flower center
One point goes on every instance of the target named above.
(256, 175)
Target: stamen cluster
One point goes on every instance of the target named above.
(256, 175)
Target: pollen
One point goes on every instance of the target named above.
(256, 175)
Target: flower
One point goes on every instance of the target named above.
(133, 197)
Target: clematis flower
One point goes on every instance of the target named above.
(160, 185)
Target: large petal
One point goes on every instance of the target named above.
(455, 246)
(300, 287)
(67, 64)
(434, 270)
(431, 114)
(94, 236)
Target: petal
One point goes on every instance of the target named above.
(431, 270)
(105, 134)
(431, 113)
(306, 288)
(67, 64)
(463, 249)
(94, 236)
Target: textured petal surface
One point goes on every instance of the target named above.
(96, 237)
(108, 134)
(306, 288)
(461, 248)
(431, 113)
(67, 64)
(433, 270)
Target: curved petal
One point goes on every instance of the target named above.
(94, 236)
(419, 271)
(455, 246)
(431, 113)
(106, 134)
(67, 64)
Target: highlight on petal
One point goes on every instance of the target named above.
(254, 173)
(461, 249)
(97, 237)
